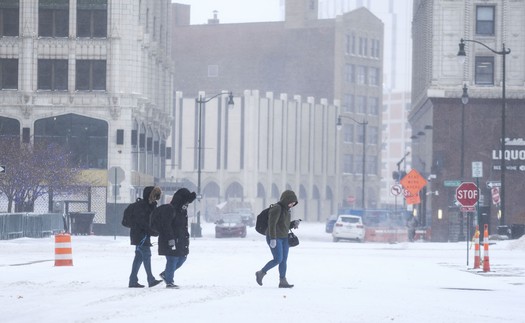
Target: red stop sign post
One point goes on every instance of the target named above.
(467, 195)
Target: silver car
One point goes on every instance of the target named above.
(348, 227)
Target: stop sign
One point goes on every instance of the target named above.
(467, 194)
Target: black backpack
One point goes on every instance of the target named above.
(261, 224)
(155, 217)
(128, 219)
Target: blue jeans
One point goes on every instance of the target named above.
(280, 256)
(142, 255)
(172, 263)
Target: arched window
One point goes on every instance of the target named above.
(86, 138)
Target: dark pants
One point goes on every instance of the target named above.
(142, 255)
(172, 263)
(411, 234)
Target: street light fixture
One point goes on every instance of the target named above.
(504, 52)
(364, 123)
(201, 101)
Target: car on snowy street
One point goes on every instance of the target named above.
(230, 225)
(247, 216)
(348, 227)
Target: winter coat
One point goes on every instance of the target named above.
(173, 218)
(140, 230)
(279, 216)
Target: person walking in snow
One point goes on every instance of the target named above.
(277, 237)
(412, 225)
(140, 233)
(174, 238)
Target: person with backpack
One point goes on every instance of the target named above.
(277, 237)
(137, 216)
(171, 221)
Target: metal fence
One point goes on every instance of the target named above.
(32, 225)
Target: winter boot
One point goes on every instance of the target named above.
(163, 277)
(154, 282)
(283, 283)
(259, 276)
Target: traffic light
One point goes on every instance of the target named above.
(397, 176)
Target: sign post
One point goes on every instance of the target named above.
(477, 172)
(467, 195)
(116, 176)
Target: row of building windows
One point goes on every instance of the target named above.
(362, 75)
(354, 164)
(362, 46)
(360, 104)
(149, 144)
(349, 131)
(53, 75)
(53, 18)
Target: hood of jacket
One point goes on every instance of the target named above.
(288, 197)
(183, 196)
(151, 194)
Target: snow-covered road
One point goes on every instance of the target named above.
(334, 282)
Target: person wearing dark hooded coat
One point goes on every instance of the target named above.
(277, 237)
(174, 238)
(140, 233)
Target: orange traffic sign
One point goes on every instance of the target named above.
(412, 199)
(413, 182)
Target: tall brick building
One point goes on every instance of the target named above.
(436, 116)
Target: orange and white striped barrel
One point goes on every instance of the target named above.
(477, 251)
(63, 250)
(486, 264)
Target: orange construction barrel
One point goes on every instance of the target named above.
(63, 250)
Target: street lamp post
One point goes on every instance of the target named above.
(504, 52)
(364, 124)
(464, 101)
(201, 101)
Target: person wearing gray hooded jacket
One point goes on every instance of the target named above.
(277, 237)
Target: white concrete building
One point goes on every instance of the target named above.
(95, 76)
(255, 150)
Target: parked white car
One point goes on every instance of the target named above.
(348, 227)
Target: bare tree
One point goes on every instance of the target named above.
(32, 171)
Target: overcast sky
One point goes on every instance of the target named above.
(234, 11)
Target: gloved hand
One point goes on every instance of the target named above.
(273, 243)
(171, 243)
(295, 224)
